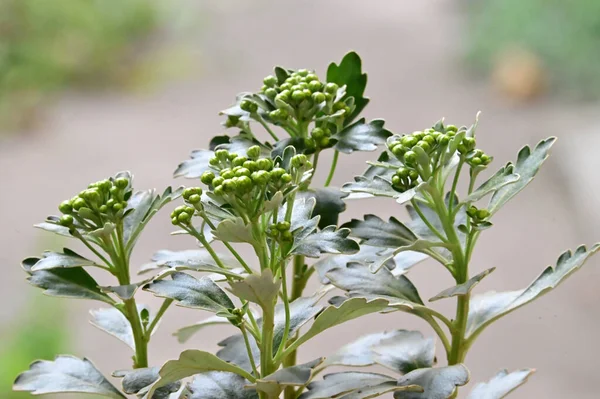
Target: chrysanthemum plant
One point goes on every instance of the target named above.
(261, 194)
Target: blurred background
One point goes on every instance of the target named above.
(92, 87)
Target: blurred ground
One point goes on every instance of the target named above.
(412, 53)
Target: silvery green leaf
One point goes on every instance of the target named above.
(361, 136)
(462, 289)
(405, 351)
(260, 289)
(437, 383)
(302, 310)
(405, 260)
(138, 382)
(113, 322)
(329, 204)
(273, 203)
(220, 385)
(349, 383)
(527, 165)
(194, 167)
(73, 282)
(234, 230)
(349, 74)
(503, 177)
(234, 351)
(358, 281)
(65, 374)
(333, 316)
(191, 292)
(103, 232)
(239, 145)
(54, 228)
(192, 259)
(366, 255)
(329, 240)
(360, 352)
(294, 376)
(376, 232)
(501, 385)
(192, 362)
(65, 259)
(185, 333)
(124, 292)
(376, 180)
(488, 307)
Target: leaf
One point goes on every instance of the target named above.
(234, 351)
(376, 180)
(139, 381)
(260, 289)
(54, 228)
(124, 292)
(378, 233)
(527, 166)
(329, 204)
(333, 316)
(405, 351)
(185, 333)
(348, 383)
(361, 136)
(113, 322)
(190, 292)
(302, 310)
(437, 383)
(501, 385)
(194, 167)
(192, 259)
(234, 230)
(360, 352)
(359, 281)
(366, 255)
(297, 375)
(328, 240)
(349, 73)
(220, 385)
(73, 282)
(503, 177)
(65, 374)
(192, 362)
(462, 289)
(488, 307)
(65, 259)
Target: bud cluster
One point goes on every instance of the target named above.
(478, 216)
(182, 215)
(102, 201)
(280, 231)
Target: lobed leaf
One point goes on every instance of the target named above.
(329, 204)
(462, 289)
(361, 136)
(349, 73)
(234, 230)
(298, 375)
(329, 240)
(405, 351)
(488, 307)
(65, 374)
(501, 385)
(353, 385)
(65, 259)
(139, 381)
(220, 385)
(113, 322)
(185, 333)
(260, 289)
(376, 232)
(437, 383)
(502, 178)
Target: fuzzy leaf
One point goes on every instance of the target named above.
(192, 259)
(503, 177)
(234, 351)
(260, 289)
(527, 166)
(220, 385)
(349, 73)
(124, 292)
(194, 167)
(351, 385)
(366, 255)
(54, 228)
(462, 289)
(191, 362)
(360, 352)
(65, 374)
(138, 382)
(501, 385)
(376, 180)
(113, 322)
(329, 204)
(190, 292)
(488, 307)
(329, 240)
(65, 259)
(405, 351)
(437, 383)
(297, 375)
(333, 316)
(185, 333)
(73, 282)
(359, 281)
(234, 230)
(361, 136)
(378, 233)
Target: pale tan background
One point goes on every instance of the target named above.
(411, 51)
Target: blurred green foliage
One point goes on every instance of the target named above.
(47, 45)
(565, 35)
(39, 333)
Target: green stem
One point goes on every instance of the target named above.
(228, 246)
(431, 227)
(163, 308)
(249, 350)
(266, 353)
(455, 183)
(286, 305)
(267, 128)
(334, 162)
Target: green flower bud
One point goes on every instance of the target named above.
(229, 185)
(66, 220)
(244, 184)
(227, 174)
(279, 114)
(315, 85)
(117, 207)
(103, 208)
(66, 207)
(219, 190)
(283, 226)
(79, 203)
(331, 88)
(286, 178)
(194, 199)
(253, 152)
(472, 211)
(277, 173)
(318, 97)
(232, 121)
(184, 217)
(443, 139)
(222, 155)
(121, 182)
(317, 133)
(243, 172)
(174, 221)
(287, 236)
(483, 214)
(238, 161)
(429, 139)
(424, 145)
(466, 145)
(324, 142)
(399, 150)
(207, 177)
(339, 106)
(298, 95)
(249, 106)
(409, 141)
(188, 192)
(418, 135)
(311, 77)
(271, 93)
(476, 161)
(251, 165)
(270, 81)
(302, 72)
(110, 203)
(410, 158)
(264, 164)
(451, 128)
(413, 174)
(217, 181)
(299, 161)
(403, 172)
(261, 177)
(213, 161)
(396, 180)
(285, 86)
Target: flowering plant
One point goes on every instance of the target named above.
(261, 193)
